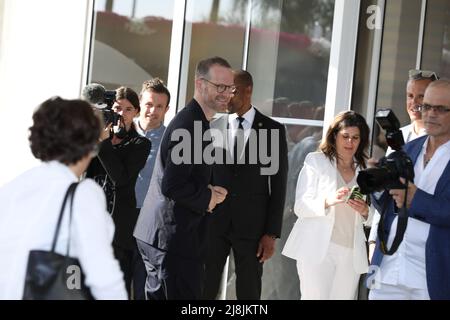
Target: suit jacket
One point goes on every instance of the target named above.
(121, 164)
(181, 231)
(311, 235)
(432, 209)
(255, 202)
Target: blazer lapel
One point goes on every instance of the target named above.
(443, 179)
(258, 123)
(221, 124)
(415, 151)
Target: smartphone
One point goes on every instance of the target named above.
(355, 193)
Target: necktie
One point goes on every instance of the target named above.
(238, 136)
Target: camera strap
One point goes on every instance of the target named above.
(402, 222)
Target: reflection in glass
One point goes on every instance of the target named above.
(289, 52)
(436, 48)
(213, 28)
(132, 42)
(399, 54)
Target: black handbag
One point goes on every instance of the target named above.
(52, 276)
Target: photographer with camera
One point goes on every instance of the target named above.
(122, 154)
(418, 81)
(418, 269)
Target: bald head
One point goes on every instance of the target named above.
(444, 84)
(436, 116)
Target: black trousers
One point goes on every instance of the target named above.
(171, 277)
(247, 267)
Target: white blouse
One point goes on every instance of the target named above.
(30, 208)
(344, 217)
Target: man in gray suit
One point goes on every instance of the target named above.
(171, 238)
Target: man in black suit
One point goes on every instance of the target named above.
(172, 242)
(249, 220)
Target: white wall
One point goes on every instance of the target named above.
(41, 55)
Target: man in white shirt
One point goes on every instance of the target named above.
(419, 268)
(418, 81)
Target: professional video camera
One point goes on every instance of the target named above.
(390, 168)
(97, 95)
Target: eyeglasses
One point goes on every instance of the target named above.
(422, 74)
(438, 109)
(221, 88)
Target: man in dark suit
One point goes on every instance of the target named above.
(250, 218)
(172, 242)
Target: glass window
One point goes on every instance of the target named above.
(131, 42)
(436, 46)
(289, 54)
(213, 28)
(284, 44)
(399, 54)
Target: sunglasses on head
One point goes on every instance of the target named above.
(415, 74)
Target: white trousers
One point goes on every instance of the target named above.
(397, 292)
(333, 279)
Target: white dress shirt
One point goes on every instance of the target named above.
(30, 209)
(409, 134)
(407, 265)
(233, 124)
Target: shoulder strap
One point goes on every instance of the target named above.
(69, 192)
(402, 223)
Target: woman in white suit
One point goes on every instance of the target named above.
(328, 239)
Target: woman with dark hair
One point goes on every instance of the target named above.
(328, 239)
(63, 136)
(122, 154)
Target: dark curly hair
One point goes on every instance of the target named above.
(64, 130)
(344, 120)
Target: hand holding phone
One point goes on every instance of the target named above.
(355, 193)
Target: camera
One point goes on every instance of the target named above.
(389, 169)
(97, 95)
